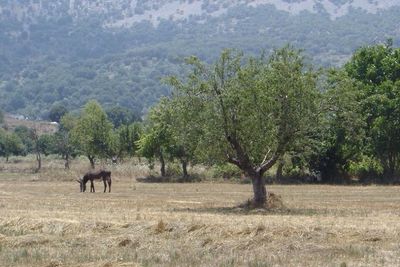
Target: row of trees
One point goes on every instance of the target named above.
(90, 134)
(255, 113)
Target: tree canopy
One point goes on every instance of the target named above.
(92, 132)
(250, 110)
(377, 70)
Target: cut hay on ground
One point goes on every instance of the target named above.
(49, 223)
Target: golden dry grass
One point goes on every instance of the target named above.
(45, 221)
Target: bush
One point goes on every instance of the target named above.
(367, 169)
(173, 169)
(226, 171)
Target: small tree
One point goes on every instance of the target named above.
(37, 148)
(25, 134)
(125, 140)
(10, 144)
(92, 132)
(15, 145)
(57, 112)
(155, 140)
(250, 111)
(183, 134)
(62, 139)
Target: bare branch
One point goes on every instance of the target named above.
(266, 165)
(266, 155)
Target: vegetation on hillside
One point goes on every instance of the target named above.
(61, 59)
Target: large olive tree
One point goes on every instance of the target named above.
(249, 111)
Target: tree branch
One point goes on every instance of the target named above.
(266, 165)
(242, 160)
(266, 155)
(233, 161)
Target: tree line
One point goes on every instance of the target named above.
(94, 133)
(254, 114)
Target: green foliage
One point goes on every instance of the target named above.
(372, 65)
(155, 140)
(149, 144)
(368, 169)
(340, 134)
(25, 134)
(46, 144)
(92, 132)
(249, 111)
(73, 58)
(226, 171)
(173, 169)
(183, 134)
(57, 112)
(63, 143)
(10, 144)
(125, 140)
(121, 116)
(377, 68)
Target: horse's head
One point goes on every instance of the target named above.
(81, 184)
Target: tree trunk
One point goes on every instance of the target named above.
(162, 162)
(279, 171)
(260, 193)
(66, 165)
(392, 167)
(91, 159)
(39, 161)
(184, 169)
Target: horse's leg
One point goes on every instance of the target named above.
(92, 186)
(109, 185)
(105, 185)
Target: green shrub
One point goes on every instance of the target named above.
(366, 169)
(226, 171)
(173, 169)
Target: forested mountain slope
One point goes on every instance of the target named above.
(69, 51)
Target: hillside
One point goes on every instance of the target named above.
(42, 127)
(59, 51)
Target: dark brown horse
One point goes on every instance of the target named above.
(105, 175)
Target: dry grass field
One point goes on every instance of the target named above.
(45, 221)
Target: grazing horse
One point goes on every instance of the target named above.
(105, 175)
